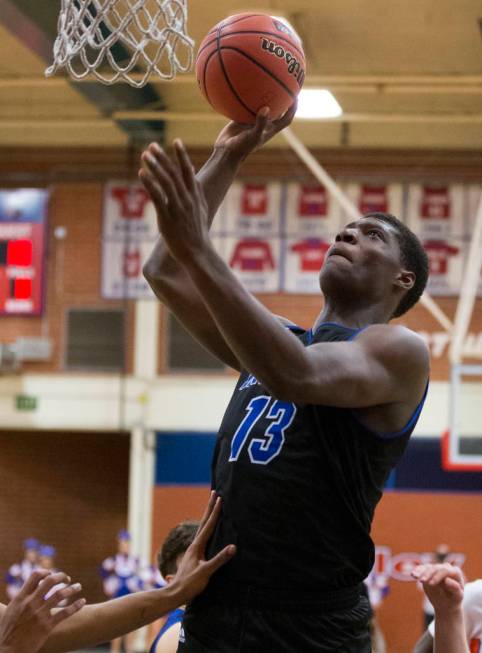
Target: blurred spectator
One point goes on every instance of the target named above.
(20, 572)
(121, 575)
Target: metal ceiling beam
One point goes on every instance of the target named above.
(35, 26)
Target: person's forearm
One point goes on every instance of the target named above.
(215, 177)
(450, 633)
(259, 341)
(103, 622)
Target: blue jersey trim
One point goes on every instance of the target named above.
(173, 618)
(395, 434)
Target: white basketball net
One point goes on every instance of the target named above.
(122, 40)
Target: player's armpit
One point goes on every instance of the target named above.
(383, 365)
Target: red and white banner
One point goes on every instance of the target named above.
(255, 261)
(253, 209)
(310, 211)
(370, 197)
(128, 212)
(304, 258)
(122, 269)
(437, 211)
(446, 260)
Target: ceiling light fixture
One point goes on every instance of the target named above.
(316, 103)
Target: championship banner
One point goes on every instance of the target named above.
(129, 233)
(303, 259)
(373, 197)
(255, 261)
(253, 209)
(446, 259)
(311, 211)
(435, 211)
(23, 218)
(474, 197)
(122, 269)
(128, 212)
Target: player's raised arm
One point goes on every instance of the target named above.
(169, 281)
(383, 365)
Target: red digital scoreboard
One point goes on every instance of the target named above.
(23, 219)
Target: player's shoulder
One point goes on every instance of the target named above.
(396, 342)
(284, 321)
(169, 641)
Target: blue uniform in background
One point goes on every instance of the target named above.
(173, 618)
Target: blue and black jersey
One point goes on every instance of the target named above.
(299, 484)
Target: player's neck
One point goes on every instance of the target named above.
(353, 317)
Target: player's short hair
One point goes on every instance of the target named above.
(414, 258)
(175, 544)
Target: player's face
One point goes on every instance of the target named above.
(363, 261)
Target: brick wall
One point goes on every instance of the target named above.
(68, 490)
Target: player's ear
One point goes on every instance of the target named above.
(405, 279)
(168, 578)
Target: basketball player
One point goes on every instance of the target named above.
(450, 632)
(316, 422)
(27, 624)
(169, 557)
(463, 616)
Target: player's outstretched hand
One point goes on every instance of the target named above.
(443, 584)
(240, 140)
(194, 572)
(181, 207)
(29, 618)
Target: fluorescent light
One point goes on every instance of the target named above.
(317, 103)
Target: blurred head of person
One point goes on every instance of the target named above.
(31, 550)
(174, 547)
(46, 556)
(441, 553)
(124, 542)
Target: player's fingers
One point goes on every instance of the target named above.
(442, 571)
(32, 583)
(262, 119)
(157, 195)
(69, 594)
(454, 588)
(151, 185)
(220, 559)
(207, 529)
(67, 612)
(287, 118)
(185, 165)
(46, 585)
(164, 180)
(170, 168)
(208, 510)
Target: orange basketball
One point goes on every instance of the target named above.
(249, 61)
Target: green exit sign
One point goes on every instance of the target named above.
(26, 402)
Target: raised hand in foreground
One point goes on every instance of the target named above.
(29, 618)
(195, 571)
(444, 586)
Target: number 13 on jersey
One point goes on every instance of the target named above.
(262, 450)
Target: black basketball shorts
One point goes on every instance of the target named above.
(227, 627)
